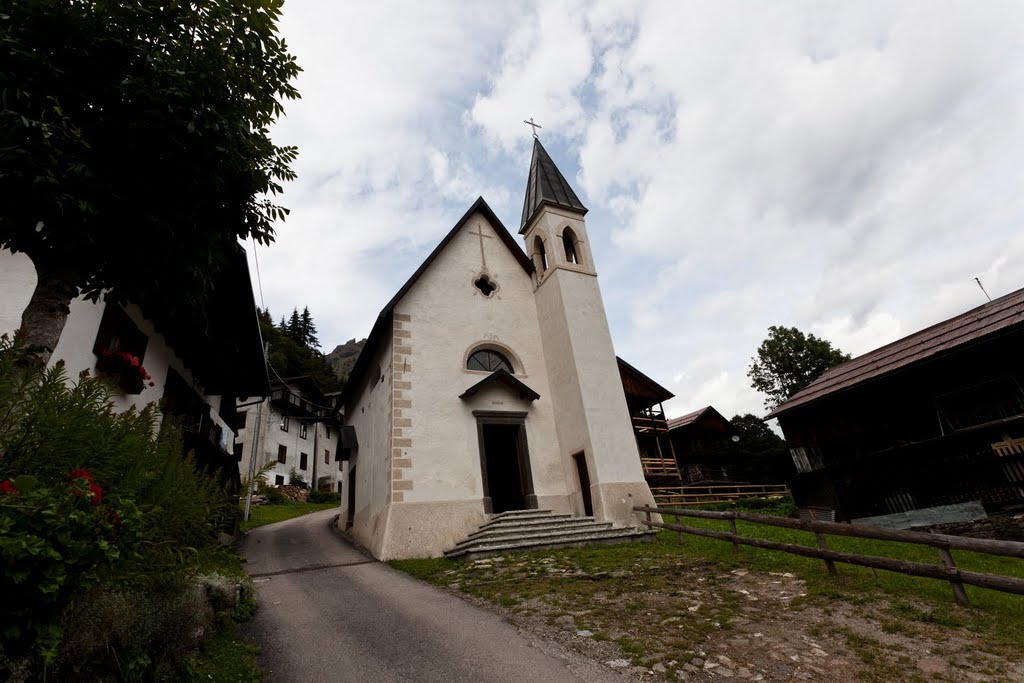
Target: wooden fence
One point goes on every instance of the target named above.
(943, 543)
(715, 493)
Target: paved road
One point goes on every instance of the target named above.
(329, 613)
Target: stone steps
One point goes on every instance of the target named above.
(538, 529)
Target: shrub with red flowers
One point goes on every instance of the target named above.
(127, 369)
(55, 543)
(103, 529)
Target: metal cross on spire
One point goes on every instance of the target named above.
(535, 126)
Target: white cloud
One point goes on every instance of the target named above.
(847, 168)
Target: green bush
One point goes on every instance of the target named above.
(324, 497)
(272, 493)
(97, 508)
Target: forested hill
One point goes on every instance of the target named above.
(343, 357)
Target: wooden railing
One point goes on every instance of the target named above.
(659, 466)
(715, 493)
(943, 543)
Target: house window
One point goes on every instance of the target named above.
(327, 457)
(278, 480)
(569, 243)
(488, 361)
(238, 451)
(284, 424)
(302, 430)
(327, 431)
(539, 255)
(282, 454)
(118, 332)
(240, 419)
(303, 461)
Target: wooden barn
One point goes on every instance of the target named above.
(644, 398)
(934, 419)
(701, 441)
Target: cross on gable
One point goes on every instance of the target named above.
(480, 233)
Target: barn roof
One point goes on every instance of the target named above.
(986, 320)
(695, 416)
(639, 388)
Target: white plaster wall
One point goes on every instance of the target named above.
(74, 348)
(17, 282)
(590, 410)
(271, 436)
(370, 414)
(449, 316)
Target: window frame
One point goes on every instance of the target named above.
(508, 367)
(282, 454)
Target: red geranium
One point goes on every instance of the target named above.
(94, 491)
(8, 487)
(80, 473)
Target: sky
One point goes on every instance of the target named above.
(844, 168)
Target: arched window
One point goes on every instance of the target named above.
(488, 361)
(539, 254)
(569, 242)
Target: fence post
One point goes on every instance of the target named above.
(732, 527)
(648, 513)
(829, 564)
(679, 534)
(958, 588)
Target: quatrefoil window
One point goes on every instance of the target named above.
(485, 284)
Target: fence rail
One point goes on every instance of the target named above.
(715, 493)
(943, 543)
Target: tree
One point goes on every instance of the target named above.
(135, 147)
(308, 330)
(788, 360)
(290, 358)
(759, 455)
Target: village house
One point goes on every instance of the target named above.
(198, 362)
(929, 428)
(298, 432)
(489, 384)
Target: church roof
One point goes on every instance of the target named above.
(502, 376)
(546, 185)
(383, 322)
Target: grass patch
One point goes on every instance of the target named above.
(279, 512)
(226, 658)
(655, 600)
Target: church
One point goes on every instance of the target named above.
(489, 384)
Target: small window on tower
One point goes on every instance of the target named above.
(569, 242)
(539, 255)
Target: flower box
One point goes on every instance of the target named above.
(125, 369)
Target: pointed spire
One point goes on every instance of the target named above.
(546, 185)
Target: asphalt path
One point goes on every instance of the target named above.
(330, 613)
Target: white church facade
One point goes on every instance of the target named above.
(489, 383)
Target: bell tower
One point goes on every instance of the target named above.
(592, 421)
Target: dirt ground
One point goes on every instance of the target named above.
(684, 623)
